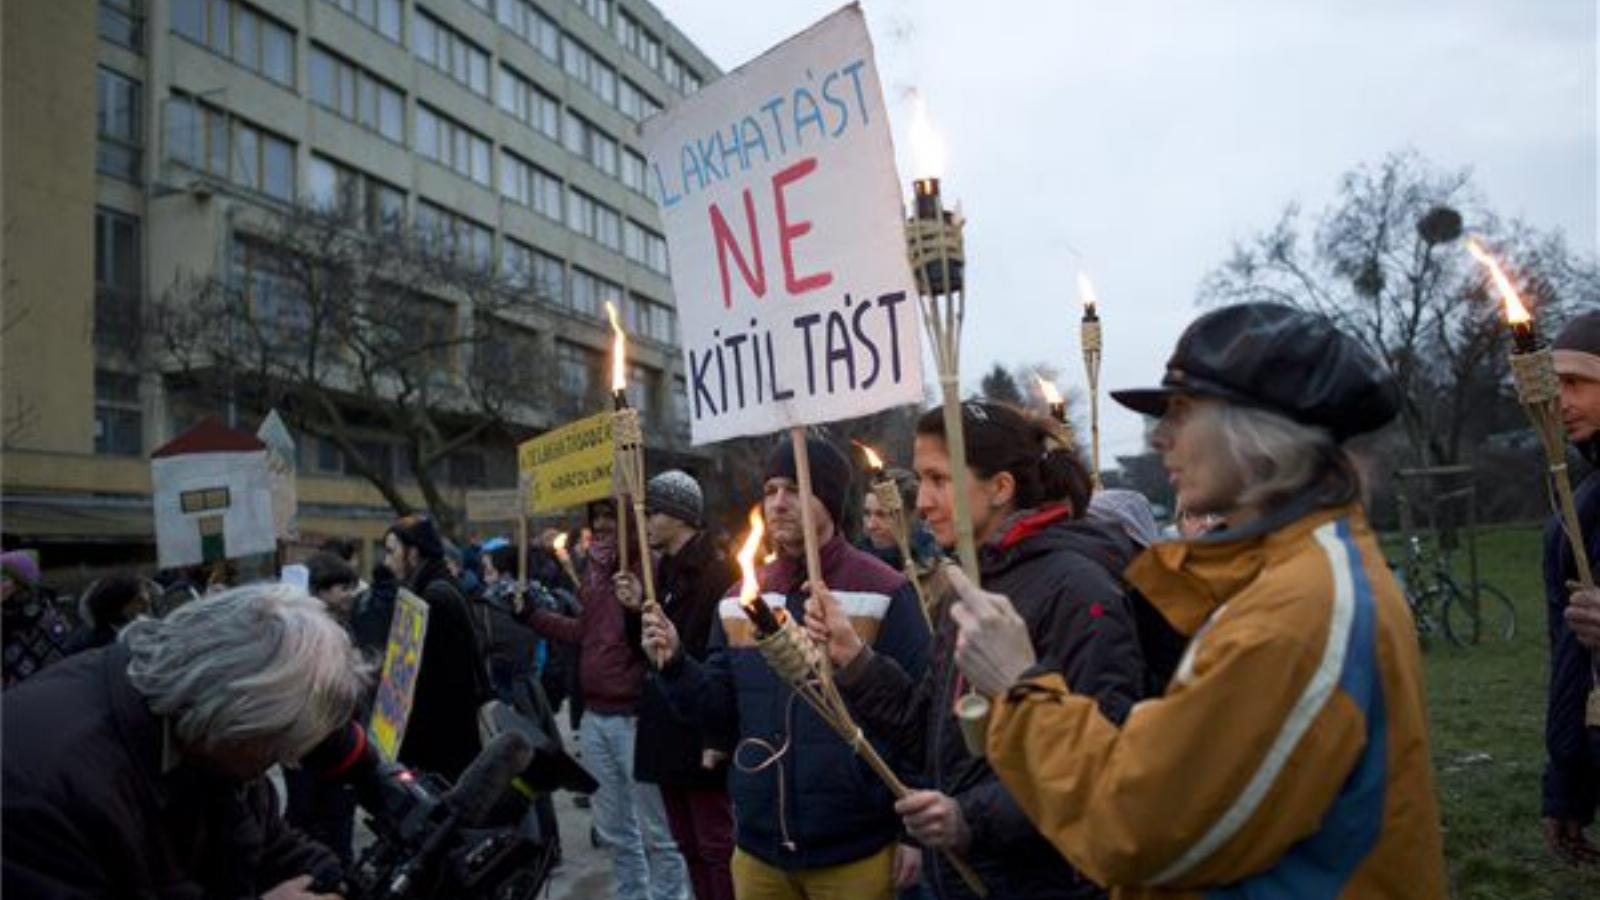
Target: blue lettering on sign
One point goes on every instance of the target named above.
(820, 108)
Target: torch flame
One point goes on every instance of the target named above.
(751, 588)
(1048, 389)
(1086, 293)
(873, 459)
(1516, 313)
(927, 147)
(560, 543)
(619, 350)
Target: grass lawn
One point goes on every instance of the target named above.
(1486, 707)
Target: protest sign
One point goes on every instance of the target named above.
(397, 685)
(281, 465)
(569, 465)
(212, 497)
(494, 506)
(783, 216)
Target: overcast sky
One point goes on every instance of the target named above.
(1138, 140)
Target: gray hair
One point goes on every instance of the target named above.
(1278, 458)
(260, 661)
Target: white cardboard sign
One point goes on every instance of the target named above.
(217, 500)
(783, 216)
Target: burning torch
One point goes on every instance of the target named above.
(797, 659)
(629, 440)
(1533, 370)
(887, 493)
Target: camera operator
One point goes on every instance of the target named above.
(137, 769)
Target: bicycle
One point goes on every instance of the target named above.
(1429, 586)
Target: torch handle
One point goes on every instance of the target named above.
(956, 443)
(1570, 522)
(802, 468)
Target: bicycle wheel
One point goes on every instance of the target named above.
(1497, 616)
(1436, 600)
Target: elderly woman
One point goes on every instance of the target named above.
(1289, 754)
(136, 769)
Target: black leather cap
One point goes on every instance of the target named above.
(1279, 358)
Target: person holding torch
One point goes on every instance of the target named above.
(1288, 756)
(1572, 766)
(1029, 492)
(814, 821)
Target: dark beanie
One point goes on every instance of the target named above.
(1577, 347)
(831, 473)
(419, 532)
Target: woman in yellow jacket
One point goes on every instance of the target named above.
(1288, 756)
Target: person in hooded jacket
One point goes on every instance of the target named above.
(1571, 784)
(1288, 755)
(1028, 492)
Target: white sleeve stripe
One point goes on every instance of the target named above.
(1305, 710)
(860, 604)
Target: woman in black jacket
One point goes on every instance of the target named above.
(1028, 493)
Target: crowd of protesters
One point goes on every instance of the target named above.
(1236, 706)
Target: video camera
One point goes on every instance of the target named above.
(477, 839)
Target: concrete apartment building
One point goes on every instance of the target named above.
(144, 140)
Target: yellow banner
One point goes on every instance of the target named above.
(408, 627)
(569, 465)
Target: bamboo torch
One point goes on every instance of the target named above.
(1056, 404)
(1089, 337)
(887, 493)
(559, 545)
(629, 440)
(938, 260)
(1533, 370)
(800, 663)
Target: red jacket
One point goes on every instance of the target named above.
(610, 662)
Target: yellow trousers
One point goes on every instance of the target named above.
(870, 878)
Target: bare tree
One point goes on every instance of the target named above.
(353, 333)
(1385, 262)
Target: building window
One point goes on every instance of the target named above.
(679, 409)
(653, 320)
(538, 30)
(598, 10)
(529, 269)
(455, 237)
(382, 16)
(259, 43)
(634, 103)
(585, 140)
(447, 50)
(530, 105)
(644, 247)
(530, 185)
(203, 137)
(576, 372)
(118, 117)
(584, 67)
(452, 145)
(589, 292)
(357, 95)
(118, 415)
(118, 279)
(377, 206)
(270, 292)
(122, 22)
(642, 383)
(593, 219)
(638, 40)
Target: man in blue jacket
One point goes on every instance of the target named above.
(1572, 767)
(812, 819)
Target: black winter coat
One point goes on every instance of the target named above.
(88, 811)
(442, 733)
(1062, 578)
(690, 584)
(1571, 788)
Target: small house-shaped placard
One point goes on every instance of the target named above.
(213, 496)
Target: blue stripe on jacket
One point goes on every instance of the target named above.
(1320, 867)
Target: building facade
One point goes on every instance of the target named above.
(145, 140)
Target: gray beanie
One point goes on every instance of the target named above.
(1128, 509)
(675, 493)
